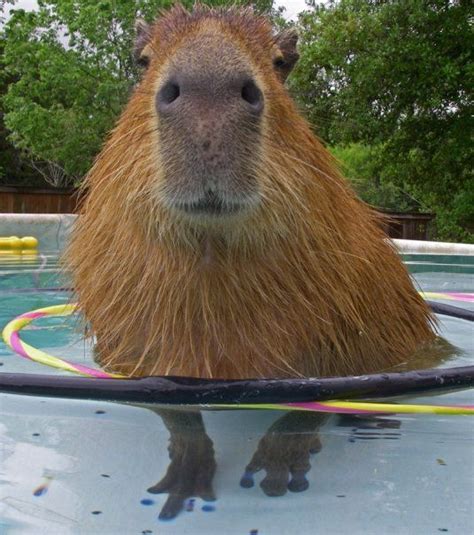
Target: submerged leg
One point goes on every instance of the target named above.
(192, 467)
(284, 453)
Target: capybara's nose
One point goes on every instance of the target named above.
(181, 93)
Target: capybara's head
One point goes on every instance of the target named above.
(209, 82)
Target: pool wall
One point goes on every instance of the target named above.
(53, 231)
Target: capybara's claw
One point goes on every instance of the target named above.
(246, 481)
(298, 483)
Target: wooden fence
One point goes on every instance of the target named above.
(407, 226)
(65, 201)
(22, 200)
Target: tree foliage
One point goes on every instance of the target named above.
(73, 69)
(398, 76)
(365, 168)
(387, 83)
(14, 168)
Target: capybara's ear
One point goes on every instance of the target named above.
(143, 37)
(285, 60)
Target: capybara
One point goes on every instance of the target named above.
(218, 238)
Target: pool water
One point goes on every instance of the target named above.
(84, 467)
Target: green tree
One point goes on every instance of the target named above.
(14, 168)
(73, 69)
(397, 75)
(363, 166)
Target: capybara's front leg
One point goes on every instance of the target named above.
(192, 467)
(284, 453)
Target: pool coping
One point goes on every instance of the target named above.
(58, 226)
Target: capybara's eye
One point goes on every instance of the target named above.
(143, 61)
(279, 62)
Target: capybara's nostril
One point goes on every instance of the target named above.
(252, 95)
(167, 95)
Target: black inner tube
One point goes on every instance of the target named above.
(450, 310)
(193, 391)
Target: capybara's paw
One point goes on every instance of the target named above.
(284, 454)
(189, 474)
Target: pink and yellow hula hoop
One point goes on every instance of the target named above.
(12, 339)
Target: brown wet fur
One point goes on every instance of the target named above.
(304, 284)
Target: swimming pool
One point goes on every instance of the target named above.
(82, 466)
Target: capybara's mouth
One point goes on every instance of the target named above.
(212, 205)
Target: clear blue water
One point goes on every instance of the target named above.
(84, 467)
